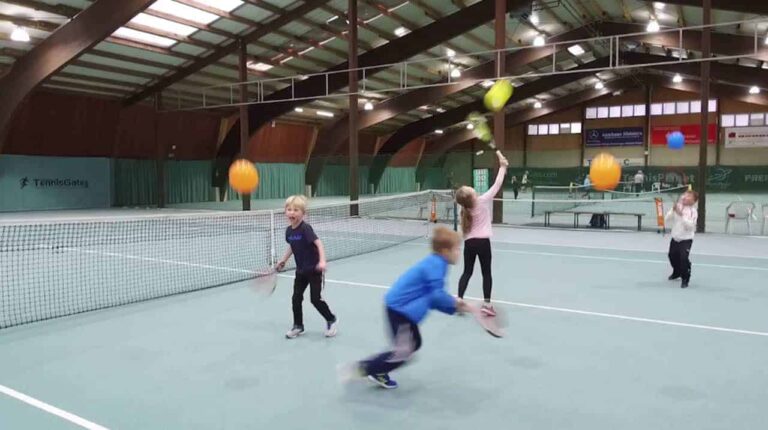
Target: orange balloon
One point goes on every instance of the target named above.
(604, 172)
(243, 176)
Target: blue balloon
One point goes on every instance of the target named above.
(675, 140)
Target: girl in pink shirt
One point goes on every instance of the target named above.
(476, 226)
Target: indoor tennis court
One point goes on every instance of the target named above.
(175, 174)
(602, 340)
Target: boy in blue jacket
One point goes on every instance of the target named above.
(418, 290)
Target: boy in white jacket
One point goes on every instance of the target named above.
(682, 219)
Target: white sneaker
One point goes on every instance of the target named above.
(295, 332)
(333, 328)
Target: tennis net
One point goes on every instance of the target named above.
(58, 268)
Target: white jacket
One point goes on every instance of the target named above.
(683, 226)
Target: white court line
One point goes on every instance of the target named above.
(578, 311)
(655, 251)
(53, 410)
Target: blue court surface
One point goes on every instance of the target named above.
(598, 339)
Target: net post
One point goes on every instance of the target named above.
(533, 200)
(455, 214)
(272, 240)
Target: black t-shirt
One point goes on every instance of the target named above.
(302, 240)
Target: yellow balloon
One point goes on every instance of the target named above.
(604, 172)
(243, 176)
(498, 95)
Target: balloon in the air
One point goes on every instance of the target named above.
(675, 140)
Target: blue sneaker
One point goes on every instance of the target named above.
(383, 381)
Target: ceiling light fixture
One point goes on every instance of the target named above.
(754, 90)
(653, 26)
(677, 79)
(20, 34)
(368, 106)
(538, 40)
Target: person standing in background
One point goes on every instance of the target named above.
(525, 180)
(515, 186)
(639, 181)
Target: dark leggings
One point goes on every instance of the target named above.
(406, 340)
(315, 282)
(679, 258)
(477, 248)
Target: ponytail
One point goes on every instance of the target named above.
(464, 197)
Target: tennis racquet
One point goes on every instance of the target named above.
(265, 283)
(494, 325)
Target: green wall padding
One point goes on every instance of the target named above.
(434, 179)
(334, 181)
(458, 165)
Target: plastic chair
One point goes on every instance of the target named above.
(765, 218)
(739, 211)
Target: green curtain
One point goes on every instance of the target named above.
(434, 179)
(398, 180)
(189, 182)
(334, 181)
(458, 167)
(135, 182)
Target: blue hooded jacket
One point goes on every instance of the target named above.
(422, 288)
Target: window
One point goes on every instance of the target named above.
(639, 110)
(756, 119)
(712, 105)
(591, 113)
(533, 129)
(615, 111)
(669, 108)
(742, 120)
(602, 112)
(656, 109)
(696, 106)
(565, 128)
(543, 129)
(728, 120)
(627, 111)
(554, 129)
(575, 127)
(683, 107)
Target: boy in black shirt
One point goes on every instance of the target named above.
(309, 254)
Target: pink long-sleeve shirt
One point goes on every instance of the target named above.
(481, 213)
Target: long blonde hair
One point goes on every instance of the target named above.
(465, 196)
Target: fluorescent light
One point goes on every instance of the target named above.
(470, 126)
(140, 36)
(754, 90)
(450, 52)
(653, 26)
(537, 105)
(534, 18)
(401, 31)
(368, 106)
(331, 19)
(225, 5)
(576, 50)
(677, 79)
(298, 109)
(20, 34)
(324, 113)
(440, 110)
(599, 85)
(456, 73)
(163, 24)
(438, 131)
(766, 40)
(538, 41)
(184, 11)
(486, 84)
(659, 5)
(425, 107)
(259, 66)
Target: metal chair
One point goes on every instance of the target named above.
(740, 210)
(765, 218)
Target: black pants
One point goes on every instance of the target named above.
(477, 248)
(315, 282)
(516, 191)
(638, 188)
(406, 340)
(597, 221)
(679, 258)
